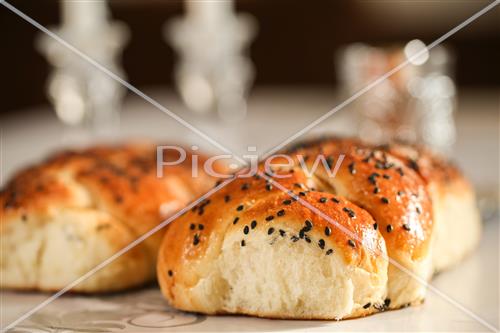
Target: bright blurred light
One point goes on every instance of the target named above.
(197, 92)
(416, 52)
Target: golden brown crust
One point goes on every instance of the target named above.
(393, 193)
(193, 242)
(430, 166)
(120, 181)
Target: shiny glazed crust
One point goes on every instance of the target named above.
(204, 251)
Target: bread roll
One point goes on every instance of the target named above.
(251, 249)
(63, 217)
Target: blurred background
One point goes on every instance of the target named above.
(295, 43)
(252, 73)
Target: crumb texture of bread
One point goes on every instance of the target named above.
(264, 255)
(65, 216)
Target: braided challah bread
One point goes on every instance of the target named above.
(331, 246)
(65, 216)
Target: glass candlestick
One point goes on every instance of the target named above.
(213, 73)
(414, 105)
(86, 99)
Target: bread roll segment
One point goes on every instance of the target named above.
(397, 199)
(252, 249)
(456, 216)
(63, 217)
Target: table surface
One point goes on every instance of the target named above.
(274, 114)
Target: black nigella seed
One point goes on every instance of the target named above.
(352, 170)
(373, 178)
(367, 305)
(308, 224)
(376, 190)
(287, 202)
(302, 194)
(302, 233)
(330, 251)
(240, 208)
(196, 239)
(389, 228)
(375, 226)
(253, 224)
(270, 231)
(201, 226)
(281, 212)
(236, 219)
(299, 185)
(406, 227)
(227, 198)
(192, 226)
(322, 199)
(387, 302)
(386, 176)
(269, 187)
(384, 200)
(349, 212)
(170, 273)
(307, 239)
(400, 171)
(418, 210)
(328, 231)
(282, 233)
(245, 186)
(201, 211)
(243, 242)
(400, 193)
(351, 243)
(335, 200)
(321, 244)
(269, 218)
(294, 238)
(246, 229)
(413, 164)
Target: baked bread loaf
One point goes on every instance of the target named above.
(253, 250)
(63, 217)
